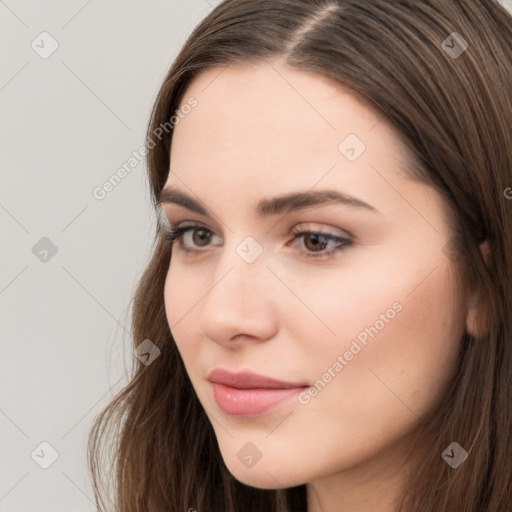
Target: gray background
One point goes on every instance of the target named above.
(68, 122)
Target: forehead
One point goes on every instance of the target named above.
(245, 107)
(279, 126)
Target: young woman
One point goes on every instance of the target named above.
(326, 321)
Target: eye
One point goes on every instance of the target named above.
(189, 235)
(316, 244)
(321, 245)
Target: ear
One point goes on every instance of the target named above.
(476, 324)
(485, 249)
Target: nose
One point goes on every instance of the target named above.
(240, 304)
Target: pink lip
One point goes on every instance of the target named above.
(249, 394)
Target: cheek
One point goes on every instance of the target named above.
(182, 293)
(395, 348)
(403, 314)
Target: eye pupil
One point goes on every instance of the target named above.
(316, 239)
(202, 236)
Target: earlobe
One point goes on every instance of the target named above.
(474, 320)
(476, 324)
(485, 249)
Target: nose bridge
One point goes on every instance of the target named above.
(239, 299)
(243, 263)
(240, 276)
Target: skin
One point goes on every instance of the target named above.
(261, 131)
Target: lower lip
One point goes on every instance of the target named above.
(251, 402)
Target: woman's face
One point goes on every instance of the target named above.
(358, 317)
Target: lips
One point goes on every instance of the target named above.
(248, 394)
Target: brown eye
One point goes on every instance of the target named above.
(201, 237)
(191, 239)
(315, 244)
(315, 241)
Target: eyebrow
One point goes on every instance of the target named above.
(276, 205)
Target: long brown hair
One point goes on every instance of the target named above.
(452, 105)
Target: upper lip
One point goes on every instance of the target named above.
(249, 380)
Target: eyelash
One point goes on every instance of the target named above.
(176, 235)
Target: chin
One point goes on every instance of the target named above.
(259, 480)
(261, 476)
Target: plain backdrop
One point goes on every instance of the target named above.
(77, 81)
